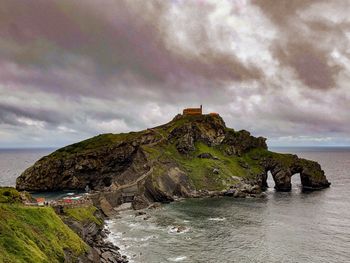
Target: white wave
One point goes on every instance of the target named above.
(178, 230)
(132, 225)
(217, 219)
(177, 259)
(140, 239)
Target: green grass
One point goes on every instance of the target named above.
(9, 195)
(35, 235)
(94, 143)
(153, 153)
(199, 170)
(83, 214)
(284, 159)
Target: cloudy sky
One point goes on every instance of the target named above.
(73, 69)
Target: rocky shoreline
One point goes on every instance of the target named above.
(95, 236)
(104, 251)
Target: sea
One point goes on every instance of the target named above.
(282, 227)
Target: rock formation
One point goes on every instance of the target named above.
(188, 156)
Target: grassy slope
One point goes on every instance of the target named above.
(83, 214)
(94, 143)
(199, 170)
(9, 195)
(33, 234)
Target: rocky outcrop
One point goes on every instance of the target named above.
(242, 141)
(94, 235)
(96, 169)
(207, 129)
(282, 169)
(188, 155)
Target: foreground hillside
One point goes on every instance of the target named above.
(34, 234)
(188, 155)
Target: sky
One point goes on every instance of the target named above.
(70, 70)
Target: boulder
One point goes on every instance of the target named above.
(139, 202)
(106, 207)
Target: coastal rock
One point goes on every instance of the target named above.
(139, 202)
(94, 235)
(190, 156)
(106, 207)
(243, 141)
(282, 169)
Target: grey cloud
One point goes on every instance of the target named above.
(310, 63)
(281, 12)
(303, 45)
(9, 114)
(129, 44)
(113, 66)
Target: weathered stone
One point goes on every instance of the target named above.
(139, 202)
(123, 207)
(106, 207)
(140, 213)
(154, 206)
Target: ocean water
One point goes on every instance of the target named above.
(14, 161)
(283, 227)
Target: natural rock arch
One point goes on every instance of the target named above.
(282, 170)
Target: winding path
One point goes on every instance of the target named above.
(136, 181)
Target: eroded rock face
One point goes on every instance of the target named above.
(242, 141)
(100, 250)
(311, 175)
(98, 169)
(207, 129)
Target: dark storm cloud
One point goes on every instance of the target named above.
(127, 44)
(72, 69)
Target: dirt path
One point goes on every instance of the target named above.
(137, 180)
(156, 132)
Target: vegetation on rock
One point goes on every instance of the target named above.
(35, 234)
(83, 214)
(9, 195)
(170, 153)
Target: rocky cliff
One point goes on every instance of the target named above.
(185, 157)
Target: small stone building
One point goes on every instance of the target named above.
(193, 111)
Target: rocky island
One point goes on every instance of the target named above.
(192, 155)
